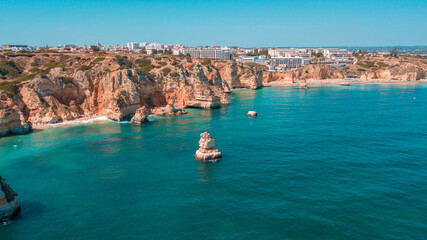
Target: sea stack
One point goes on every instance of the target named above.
(302, 84)
(9, 206)
(140, 117)
(252, 114)
(207, 151)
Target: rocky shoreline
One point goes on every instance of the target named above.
(341, 81)
(9, 206)
(67, 88)
(114, 86)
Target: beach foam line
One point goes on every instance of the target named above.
(80, 122)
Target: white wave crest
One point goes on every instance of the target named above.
(80, 122)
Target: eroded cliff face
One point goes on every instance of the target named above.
(12, 119)
(401, 69)
(117, 87)
(409, 73)
(314, 71)
(241, 76)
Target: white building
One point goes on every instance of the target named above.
(289, 52)
(289, 61)
(133, 46)
(338, 54)
(156, 46)
(17, 48)
(223, 54)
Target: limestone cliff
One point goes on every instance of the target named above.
(409, 73)
(12, 119)
(241, 76)
(116, 86)
(401, 69)
(9, 206)
(314, 71)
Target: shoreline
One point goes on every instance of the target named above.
(77, 121)
(100, 118)
(339, 81)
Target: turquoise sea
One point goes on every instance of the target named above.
(332, 162)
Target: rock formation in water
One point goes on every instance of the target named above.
(302, 84)
(141, 116)
(252, 114)
(168, 110)
(9, 206)
(12, 119)
(67, 87)
(207, 151)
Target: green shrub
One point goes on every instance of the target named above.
(35, 70)
(52, 64)
(7, 86)
(35, 64)
(26, 78)
(66, 80)
(123, 62)
(166, 71)
(366, 64)
(84, 67)
(174, 74)
(206, 61)
(97, 60)
(257, 66)
(125, 95)
(144, 65)
(382, 64)
(9, 68)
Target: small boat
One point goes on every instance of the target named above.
(344, 84)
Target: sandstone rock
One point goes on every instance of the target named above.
(140, 116)
(302, 84)
(313, 71)
(207, 151)
(12, 119)
(116, 91)
(241, 75)
(168, 110)
(252, 114)
(205, 102)
(9, 206)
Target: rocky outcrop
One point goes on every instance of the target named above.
(313, 71)
(207, 151)
(402, 73)
(9, 206)
(141, 116)
(12, 119)
(116, 86)
(302, 84)
(241, 75)
(169, 110)
(115, 94)
(252, 114)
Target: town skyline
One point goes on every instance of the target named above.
(249, 23)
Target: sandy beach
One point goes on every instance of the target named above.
(78, 121)
(339, 81)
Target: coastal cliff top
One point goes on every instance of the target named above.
(25, 66)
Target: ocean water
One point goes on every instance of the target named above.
(331, 162)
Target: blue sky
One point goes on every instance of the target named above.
(244, 23)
